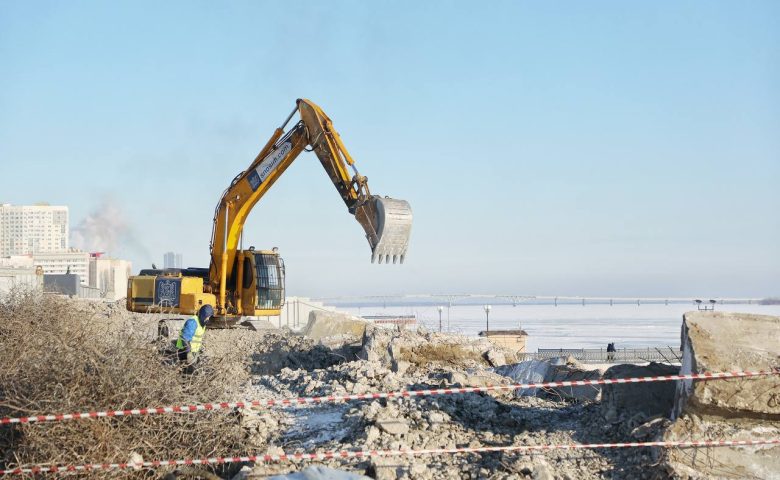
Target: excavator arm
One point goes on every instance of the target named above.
(387, 222)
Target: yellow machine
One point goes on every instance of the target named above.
(251, 282)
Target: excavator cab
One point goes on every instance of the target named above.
(261, 277)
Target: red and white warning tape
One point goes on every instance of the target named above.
(286, 402)
(347, 454)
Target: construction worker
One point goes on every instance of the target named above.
(191, 337)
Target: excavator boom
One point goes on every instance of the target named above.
(387, 222)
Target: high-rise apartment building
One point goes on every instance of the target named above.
(32, 229)
(172, 260)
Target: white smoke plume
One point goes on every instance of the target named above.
(106, 229)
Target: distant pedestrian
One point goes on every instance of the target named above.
(610, 352)
(191, 338)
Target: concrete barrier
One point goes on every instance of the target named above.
(324, 324)
(736, 409)
(724, 342)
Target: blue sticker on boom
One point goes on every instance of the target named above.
(257, 176)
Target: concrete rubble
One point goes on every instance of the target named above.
(274, 363)
(388, 359)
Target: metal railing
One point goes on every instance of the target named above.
(600, 355)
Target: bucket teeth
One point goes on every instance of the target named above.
(388, 225)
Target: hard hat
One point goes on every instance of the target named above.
(205, 312)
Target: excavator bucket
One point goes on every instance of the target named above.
(388, 224)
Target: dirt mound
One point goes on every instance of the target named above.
(443, 354)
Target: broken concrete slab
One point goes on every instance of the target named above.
(762, 461)
(393, 425)
(323, 324)
(483, 378)
(400, 366)
(726, 342)
(389, 468)
(375, 344)
(651, 399)
(495, 358)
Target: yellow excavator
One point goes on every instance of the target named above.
(251, 282)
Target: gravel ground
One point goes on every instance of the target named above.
(270, 363)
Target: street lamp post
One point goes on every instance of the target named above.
(487, 318)
(440, 308)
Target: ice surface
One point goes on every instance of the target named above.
(568, 326)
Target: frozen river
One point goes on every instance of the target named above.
(567, 326)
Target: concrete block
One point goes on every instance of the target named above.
(393, 425)
(727, 409)
(324, 324)
(376, 343)
(724, 342)
(761, 461)
(651, 399)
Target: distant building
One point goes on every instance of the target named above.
(172, 260)
(109, 276)
(511, 339)
(34, 241)
(12, 277)
(17, 261)
(29, 229)
(57, 263)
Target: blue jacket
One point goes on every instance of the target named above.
(188, 331)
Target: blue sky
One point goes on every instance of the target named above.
(575, 148)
